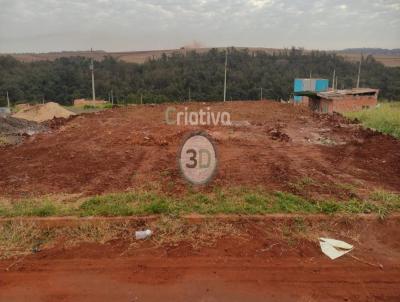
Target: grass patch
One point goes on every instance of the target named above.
(98, 106)
(230, 201)
(39, 208)
(171, 231)
(385, 118)
(19, 238)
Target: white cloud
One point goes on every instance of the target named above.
(45, 25)
(260, 3)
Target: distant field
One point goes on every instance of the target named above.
(126, 56)
(385, 118)
(143, 56)
(387, 60)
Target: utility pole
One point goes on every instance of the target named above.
(359, 72)
(112, 97)
(92, 69)
(333, 79)
(226, 64)
(336, 81)
(8, 100)
(261, 96)
(141, 99)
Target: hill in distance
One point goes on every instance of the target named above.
(389, 57)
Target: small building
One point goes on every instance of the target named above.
(341, 100)
(315, 85)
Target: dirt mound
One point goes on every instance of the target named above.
(44, 112)
(20, 107)
(126, 148)
(12, 130)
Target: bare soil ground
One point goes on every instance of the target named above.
(242, 258)
(271, 145)
(259, 260)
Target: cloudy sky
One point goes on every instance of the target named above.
(117, 25)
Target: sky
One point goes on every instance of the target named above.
(128, 25)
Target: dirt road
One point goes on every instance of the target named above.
(199, 278)
(256, 266)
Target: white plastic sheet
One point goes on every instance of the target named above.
(334, 248)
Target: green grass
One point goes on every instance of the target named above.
(385, 118)
(98, 106)
(233, 201)
(89, 108)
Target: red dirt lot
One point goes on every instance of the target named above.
(269, 144)
(257, 265)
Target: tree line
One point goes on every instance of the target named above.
(178, 77)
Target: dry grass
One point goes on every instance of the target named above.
(19, 237)
(99, 232)
(3, 141)
(172, 231)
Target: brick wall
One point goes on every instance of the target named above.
(353, 103)
(321, 105)
(343, 104)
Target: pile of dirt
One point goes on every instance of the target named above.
(278, 148)
(20, 107)
(13, 130)
(44, 112)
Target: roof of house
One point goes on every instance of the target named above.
(338, 93)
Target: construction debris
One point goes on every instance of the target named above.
(13, 130)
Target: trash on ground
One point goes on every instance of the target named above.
(334, 248)
(143, 234)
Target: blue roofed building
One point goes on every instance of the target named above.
(312, 85)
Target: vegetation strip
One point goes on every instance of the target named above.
(166, 78)
(385, 118)
(233, 201)
(24, 236)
